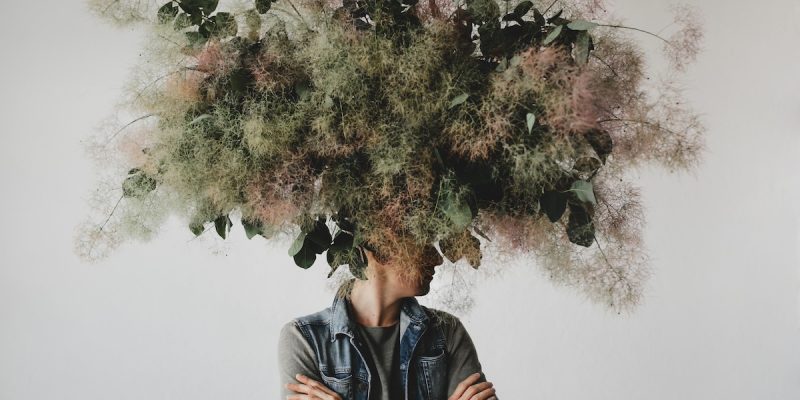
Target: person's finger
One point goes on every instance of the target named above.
(300, 397)
(484, 395)
(298, 387)
(475, 389)
(317, 388)
(463, 385)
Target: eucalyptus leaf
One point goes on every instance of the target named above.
(483, 10)
(553, 34)
(138, 184)
(580, 228)
(182, 21)
(167, 13)
(502, 65)
(263, 6)
(531, 120)
(601, 142)
(200, 118)
(297, 244)
(457, 210)
(223, 224)
(252, 228)
(583, 191)
(458, 100)
(582, 48)
(581, 25)
(302, 89)
(319, 237)
(538, 18)
(196, 39)
(225, 24)
(554, 203)
(522, 8)
(197, 228)
(305, 257)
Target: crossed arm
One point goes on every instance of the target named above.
(300, 380)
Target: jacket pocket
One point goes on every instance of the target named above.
(342, 384)
(432, 371)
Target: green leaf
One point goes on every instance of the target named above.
(458, 100)
(297, 244)
(457, 210)
(195, 39)
(207, 28)
(167, 13)
(252, 228)
(138, 184)
(253, 22)
(223, 224)
(584, 191)
(305, 257)
(580, 229)
(200, 118)
(502, 65)
(197, 228)
(555, 16)
(522, 8)
(601, 142)
(483, 10)
(582, 43)
(319, 237)
(553, 34)
(554, 203)
(193, 6)
(531, 119)
(538, 18)
(263, 6)
(302, 89)
(182, 21)
(224, 25)
(581, 25)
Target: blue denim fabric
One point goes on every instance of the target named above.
(341, 352)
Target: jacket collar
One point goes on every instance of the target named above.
(341, 322)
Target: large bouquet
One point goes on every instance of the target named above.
(393, 125)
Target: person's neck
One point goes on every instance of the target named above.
(374, 304)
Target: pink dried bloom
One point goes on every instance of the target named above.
(684, 45)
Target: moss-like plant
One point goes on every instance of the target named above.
(393, 125)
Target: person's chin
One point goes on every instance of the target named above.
(424, 289)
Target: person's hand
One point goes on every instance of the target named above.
(469, 390)
(310, 389)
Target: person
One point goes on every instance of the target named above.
(376, 342)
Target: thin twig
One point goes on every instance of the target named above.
(550, 6)
(639, 30)
(110, 214)
(127, 125)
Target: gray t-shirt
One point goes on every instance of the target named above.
(295, 356)
(383, 344)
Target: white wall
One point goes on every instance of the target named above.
(171, 319)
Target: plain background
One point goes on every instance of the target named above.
(173, 319)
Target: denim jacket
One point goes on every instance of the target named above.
(341, 354)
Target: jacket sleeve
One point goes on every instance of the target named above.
(462, 356)
(295, 356)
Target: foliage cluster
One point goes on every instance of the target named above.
(393, 125)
